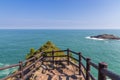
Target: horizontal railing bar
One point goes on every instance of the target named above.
(29, 60)
(83, 57)
(83, 66)
(74, 64)
(91, 76)
(74, 52)
(32, 58)
(32, 64)
(41, 53)
(56, 51)
(94, 65)
(83, 74)
(110, 74)
(17, 73)
(74, 58)
(11, 66)
(78, 54)
(60, 51)
(40, 59)
(29, 73)
(28, 66)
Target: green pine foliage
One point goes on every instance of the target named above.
(31, 53)
(47, 47)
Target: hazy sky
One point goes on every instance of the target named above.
(60, 14)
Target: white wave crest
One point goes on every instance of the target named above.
(1, 64)
(6, 71)
(88, 37)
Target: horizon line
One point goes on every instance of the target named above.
(55, 29)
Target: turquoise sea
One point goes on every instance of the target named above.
(15, 44)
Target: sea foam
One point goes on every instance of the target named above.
(6, 72)
(88, 37)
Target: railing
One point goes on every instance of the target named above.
(24, 72)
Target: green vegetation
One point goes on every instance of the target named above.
(48, 46)
(31, 53)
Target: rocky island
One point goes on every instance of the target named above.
(106, 36)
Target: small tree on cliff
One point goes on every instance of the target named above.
(31, 53)
(48, 46)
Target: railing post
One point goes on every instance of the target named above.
(80, 61)
(53, 56)
(68, 54)
(101, 76)
(35, 61)
(21, 69)
(43, 55)
(87, 68)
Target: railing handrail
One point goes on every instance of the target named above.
(110, 74)
(19, 64)
(102, 70)
(10, 66)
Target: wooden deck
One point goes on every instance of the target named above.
(57, 72)
(66, 68)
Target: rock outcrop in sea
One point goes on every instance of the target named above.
(106, 36)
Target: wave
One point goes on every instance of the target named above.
(106, 40)
(88, 37)
(6, 72)
(1, 64)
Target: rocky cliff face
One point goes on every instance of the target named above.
(106, 36)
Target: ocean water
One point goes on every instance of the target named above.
(15, 44)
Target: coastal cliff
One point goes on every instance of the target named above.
(48, 46)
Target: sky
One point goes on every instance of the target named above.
(59, 14)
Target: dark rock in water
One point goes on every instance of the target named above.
(106, 36)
